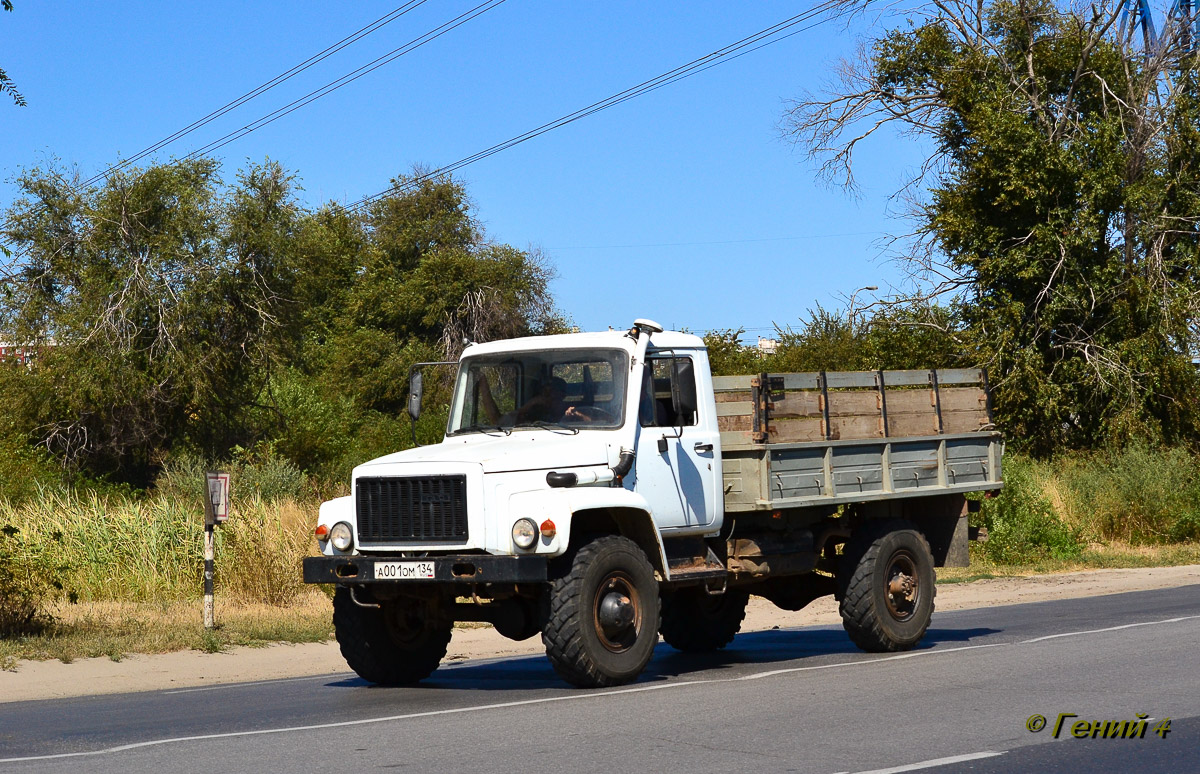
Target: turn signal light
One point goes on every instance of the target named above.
(322, 532)
(548, 530)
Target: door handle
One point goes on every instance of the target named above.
(703, 448)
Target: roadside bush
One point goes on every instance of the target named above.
(316, 426)
(28, 583)
(1137, 494)
(1021, 522)
(263, 474)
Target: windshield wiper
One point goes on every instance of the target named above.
(484, 429)
(548, 424)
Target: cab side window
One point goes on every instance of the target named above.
(656, 409)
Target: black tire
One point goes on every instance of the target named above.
(888, 588)
(603, 621)
(694, 621)
(401, 642)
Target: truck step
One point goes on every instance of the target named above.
(691, 560)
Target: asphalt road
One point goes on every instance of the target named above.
(785, 700)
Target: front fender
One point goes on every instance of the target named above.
(633, 516)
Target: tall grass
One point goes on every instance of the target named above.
(1138, 495)
(151, 549)
(1055, 509)
(264, 544)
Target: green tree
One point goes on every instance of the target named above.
(727, 355)
(917, 336)
(153, 309)
(409, 281)
(1060, 207)
(375, 292)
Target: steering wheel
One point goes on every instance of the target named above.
(593, 414)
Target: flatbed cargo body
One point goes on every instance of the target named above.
(806, 474)
(809, 439)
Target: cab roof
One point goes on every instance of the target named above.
(602, 339)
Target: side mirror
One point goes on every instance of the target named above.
(683, 389)
(415, 389)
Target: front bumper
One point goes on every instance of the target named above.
(462, 568)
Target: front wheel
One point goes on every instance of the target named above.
(603, 621)
(398, 642)
(888, 593)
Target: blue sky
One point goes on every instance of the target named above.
(684, 205)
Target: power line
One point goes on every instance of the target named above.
(740, 48)
(350, 77)
(312, 96)
(350, 39)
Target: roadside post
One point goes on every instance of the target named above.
(216, 510)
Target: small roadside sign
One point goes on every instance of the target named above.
(216, 506)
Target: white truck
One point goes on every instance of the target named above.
(602, 489)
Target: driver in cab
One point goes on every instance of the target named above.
(548, 405)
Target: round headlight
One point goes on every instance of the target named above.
(341, 536)
(524, 533)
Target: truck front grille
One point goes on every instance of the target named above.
(424, 509)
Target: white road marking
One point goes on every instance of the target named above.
(361, 722)
(1111, 628)
(935, 762)
(897, 657)
(590, 695)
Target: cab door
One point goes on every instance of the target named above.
(676, 467)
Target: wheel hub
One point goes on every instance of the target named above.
(617, 613)
(902, 586)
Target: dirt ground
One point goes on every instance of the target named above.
(192, 669)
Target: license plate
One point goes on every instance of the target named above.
(403, 570)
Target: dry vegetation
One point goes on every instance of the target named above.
(131, 569)
(114, 629)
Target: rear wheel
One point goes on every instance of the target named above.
(694, 621)
(400, 642)
(887, 601)
(603, 621)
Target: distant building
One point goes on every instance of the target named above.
(767, 346)
(21, 353)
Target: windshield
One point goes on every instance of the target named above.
(573, 389)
